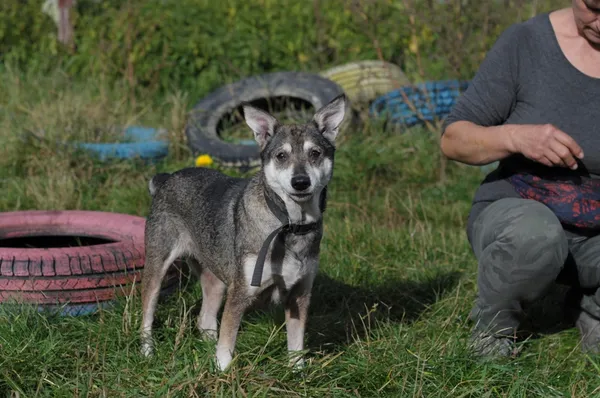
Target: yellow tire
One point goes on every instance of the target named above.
(364, 81)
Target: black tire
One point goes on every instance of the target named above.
(202, 124)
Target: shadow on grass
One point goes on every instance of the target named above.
(341, 313)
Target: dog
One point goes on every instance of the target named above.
(246, 238)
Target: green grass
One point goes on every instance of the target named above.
(390, 306)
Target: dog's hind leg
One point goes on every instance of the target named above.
(213, 290)
(156, 267)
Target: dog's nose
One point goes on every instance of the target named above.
(300, 183)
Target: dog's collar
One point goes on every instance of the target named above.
(277, 207)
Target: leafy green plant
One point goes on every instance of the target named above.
(198, 45)
(26, 34)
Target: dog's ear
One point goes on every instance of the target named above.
(261, 123)
(329, 117)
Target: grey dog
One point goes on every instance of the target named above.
(247, 238)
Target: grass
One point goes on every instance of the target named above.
(390, 306)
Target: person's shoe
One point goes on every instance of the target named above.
(589, 328)
(490, 346)
(588, 325)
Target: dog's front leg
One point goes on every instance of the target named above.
(235, 306)
(296, 314)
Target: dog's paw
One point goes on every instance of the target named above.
(208, 334)
(146, 349)
(223, 359)
(296, 360)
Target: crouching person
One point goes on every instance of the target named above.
(534, 107)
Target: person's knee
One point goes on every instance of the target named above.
(528, 232)
(525, 250)
(535, 230)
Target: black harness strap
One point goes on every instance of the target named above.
(279, 210)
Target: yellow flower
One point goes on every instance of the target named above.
(413, 46)
(203, 160)
(302, 58)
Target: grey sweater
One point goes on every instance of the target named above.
(526, 79)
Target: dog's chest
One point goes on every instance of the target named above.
(284, 265)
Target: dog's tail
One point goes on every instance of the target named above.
(157, 181)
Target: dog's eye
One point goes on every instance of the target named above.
(314, 153)
(281, 156)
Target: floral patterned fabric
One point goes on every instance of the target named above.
(575, 203)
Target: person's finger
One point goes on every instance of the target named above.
(569, 142)
(565, 155)
(553, 158)
(546, 161)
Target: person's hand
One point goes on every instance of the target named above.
(546, 144)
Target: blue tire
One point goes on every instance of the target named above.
(145, 144)
(431, 101)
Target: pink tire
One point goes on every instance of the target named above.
(74, 279)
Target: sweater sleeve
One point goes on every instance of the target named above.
(491, 95)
